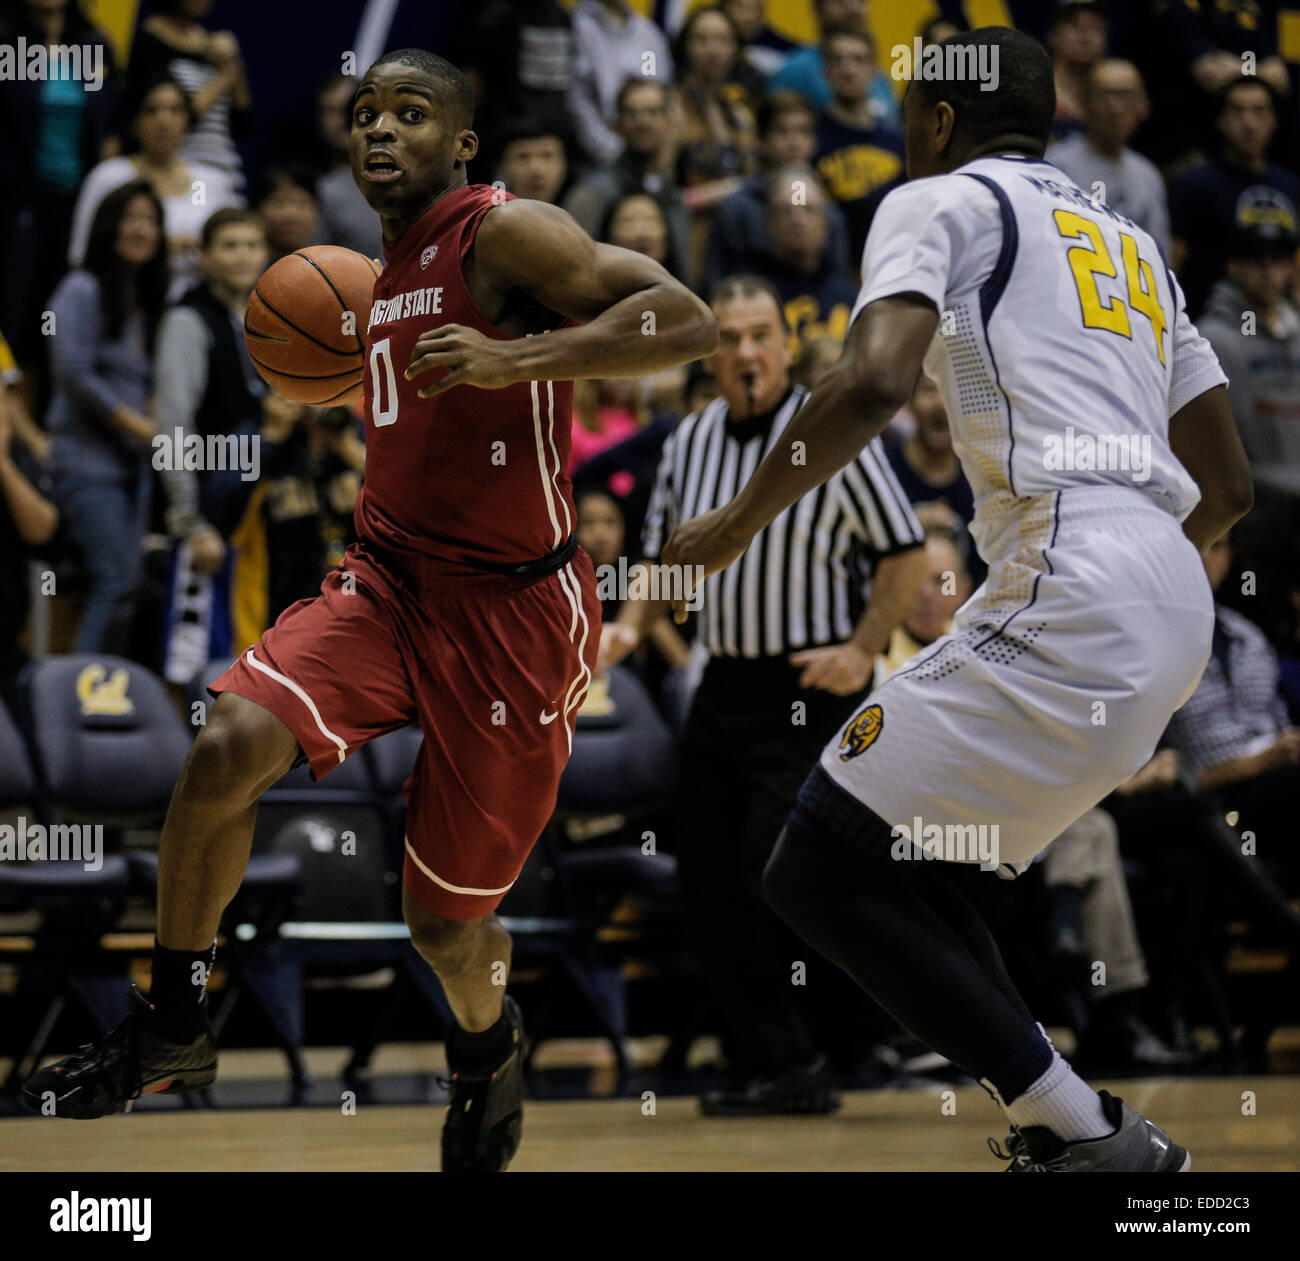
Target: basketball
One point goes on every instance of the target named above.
(304, 323)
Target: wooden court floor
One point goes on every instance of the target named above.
(875, 1131)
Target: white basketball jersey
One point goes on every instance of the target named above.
(1063, 345)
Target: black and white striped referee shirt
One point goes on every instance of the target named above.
(805, 579)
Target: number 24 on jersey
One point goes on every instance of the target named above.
(1092, 259)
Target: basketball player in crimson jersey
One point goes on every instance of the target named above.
(466, 606)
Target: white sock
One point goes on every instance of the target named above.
(1061, 1101)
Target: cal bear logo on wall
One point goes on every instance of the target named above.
(100, 695)
(862, 732)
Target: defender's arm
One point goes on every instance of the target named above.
(1204, 438)
(852, 403)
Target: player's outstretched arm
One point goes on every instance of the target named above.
(852, 403)
(637, 318)
(1204, 438)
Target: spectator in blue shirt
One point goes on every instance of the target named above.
(856, 154)
(803, 70)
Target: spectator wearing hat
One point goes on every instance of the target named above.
(1098, 158)
(1255, 331)
(1237, 188)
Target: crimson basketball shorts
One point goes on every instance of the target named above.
(494, 669)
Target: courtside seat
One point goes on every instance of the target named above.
(25, 885)
(106, 747)
(275, 874)
(626, 867)
(624, 763)
(107, 743)
(623, 751)
(196, 690)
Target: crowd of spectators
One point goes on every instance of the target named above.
(131, 233)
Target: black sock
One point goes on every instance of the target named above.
(480, 1052)
(179, 977)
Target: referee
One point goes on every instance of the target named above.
(792, 641)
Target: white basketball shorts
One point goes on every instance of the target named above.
(1054, 686)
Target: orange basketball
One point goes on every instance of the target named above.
(305, 321)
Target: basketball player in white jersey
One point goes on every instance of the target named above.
(1092, 421)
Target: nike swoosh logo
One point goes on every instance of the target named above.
(549, 718)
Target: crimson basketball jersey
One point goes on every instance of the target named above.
(468, 475)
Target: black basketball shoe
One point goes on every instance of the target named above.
(134, 1059)
(485, 1114)
(808, 1090)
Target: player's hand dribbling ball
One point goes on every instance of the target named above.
(305, 324)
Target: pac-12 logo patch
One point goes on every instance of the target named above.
(429, 254)
(862, 732)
